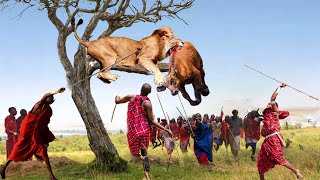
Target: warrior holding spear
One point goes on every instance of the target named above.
(139, 118)
(271, 152)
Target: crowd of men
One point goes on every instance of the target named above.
(12, 128)
(208, 133)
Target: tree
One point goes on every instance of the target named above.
(118, 14)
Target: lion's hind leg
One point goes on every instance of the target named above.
(104, 74)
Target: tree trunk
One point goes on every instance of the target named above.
(100, 142)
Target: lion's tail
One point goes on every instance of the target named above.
(84, 43)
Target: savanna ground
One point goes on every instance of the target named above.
(73, 160)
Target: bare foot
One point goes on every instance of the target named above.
(146, 176)
(299, 175)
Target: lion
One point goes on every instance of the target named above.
(186, 67)
(149, 50)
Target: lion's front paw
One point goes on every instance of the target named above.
(159, 81)
(113, 77)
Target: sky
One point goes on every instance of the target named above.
(280, 38)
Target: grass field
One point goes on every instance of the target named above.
(75, 161)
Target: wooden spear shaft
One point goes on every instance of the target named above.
(281, 82)
(182, 106)
(170, 130)
(161, 107)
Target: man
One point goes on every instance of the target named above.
(234, 125)
(224, 132)
(160, 132)
(11, 130)
(251, 127)
(35, 135)
(271, 152)
(174, 128)
(205, 119)
(23, 114)
(216, 128)
(202, 141)
(212, 118)
(139, 118)
(184, 135)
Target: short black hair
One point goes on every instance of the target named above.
(235, 111)
(11, 108)
(145, 89)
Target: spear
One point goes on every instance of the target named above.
(281, 82)
(161, 107)
(168, 116)
(170, 130)
(182, 105)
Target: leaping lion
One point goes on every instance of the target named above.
(108, 50)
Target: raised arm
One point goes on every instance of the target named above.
(45, 97)
(120, 100)
(274, 96)
(148, 107)
(61, 90)
(276, 92)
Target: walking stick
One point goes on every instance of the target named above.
(114, 109)
(281, 82)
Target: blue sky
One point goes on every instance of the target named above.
(280, 38)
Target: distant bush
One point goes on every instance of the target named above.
(288, 143)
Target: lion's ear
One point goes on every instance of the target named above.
(162, 33)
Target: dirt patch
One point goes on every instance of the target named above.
(28, 166)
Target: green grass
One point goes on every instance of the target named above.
(303, 153)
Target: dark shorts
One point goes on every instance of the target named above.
(141, 142)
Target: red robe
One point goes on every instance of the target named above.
(137, 120)
(271, 152)
(34, 138)
(153, 134)
(224, 133)
(10, 125)
(184, 135)
(175, 130)
(252, 128)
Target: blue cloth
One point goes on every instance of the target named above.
(217, 141)
(203, 141)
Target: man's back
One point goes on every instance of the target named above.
(137, 120)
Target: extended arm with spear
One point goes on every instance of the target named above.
(281, 83)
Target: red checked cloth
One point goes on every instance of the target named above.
(137, 120)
